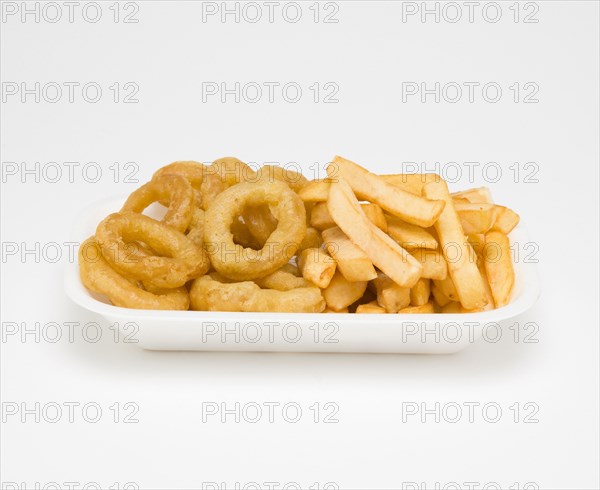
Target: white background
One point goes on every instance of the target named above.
(368, 53)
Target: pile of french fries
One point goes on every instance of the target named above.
(404, 244)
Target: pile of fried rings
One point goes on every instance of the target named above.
(226, 242)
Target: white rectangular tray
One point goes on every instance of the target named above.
(299, 332)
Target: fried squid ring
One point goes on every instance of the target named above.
(193, 171)
(208, 294)
(179, 259)
(173, 190)
(236, 262)
(98, 276)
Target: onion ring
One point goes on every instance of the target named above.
(231, 171)
(193, 171)
(179, 261)
(208, 294)
(294, 179)
(240, 263)
(282, 280)
(174, 190)
(260, 221)
(98, 276)
(195, 231)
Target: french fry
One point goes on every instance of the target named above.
(352, 262)
(312, 239)
(315, 191)
(462, 264)
(316, 266)
(488, 290)
(371, 308)
(447, 288)
(433, 262)
(370, 187)
(292, 269)
(456, 307)
(410, 236)
(389, 295)
(499, 267)
(375, 215)
(342, 293)
(440, 298)
(420, 292)
(475, 195)
(412, 183)
(321, 219)
(425, 308)
(477, 241)
(383, 251)
(476, 217)
(506, 220)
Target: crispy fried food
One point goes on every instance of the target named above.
(98, 276)
(499, 267)
(341, 293)
(375, 215)
(317, 266)
(475, 218)
(409, 247)
(410, 236)
(260, 221)
(351, 261)
(295, 180)
(459, 255)
(425, 308)
(195, 231)
(384, 252)
(477, 241)
(506, 220)
(231, 171)
(282, 280)
(420, 292)
(174, 190)
(447, 288)
(433, 262)
(321, 219)
(237, 262)
(315, 190)
(312, 239)
(440, 298)
(193, 171)
(389, 295)
(179, 261)
(456, 307)
(331, 310)
(211, 187)
(209, 294)
(412, 183)
(488, 290)
(475, 195)
(370, 187)
(370, 308)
